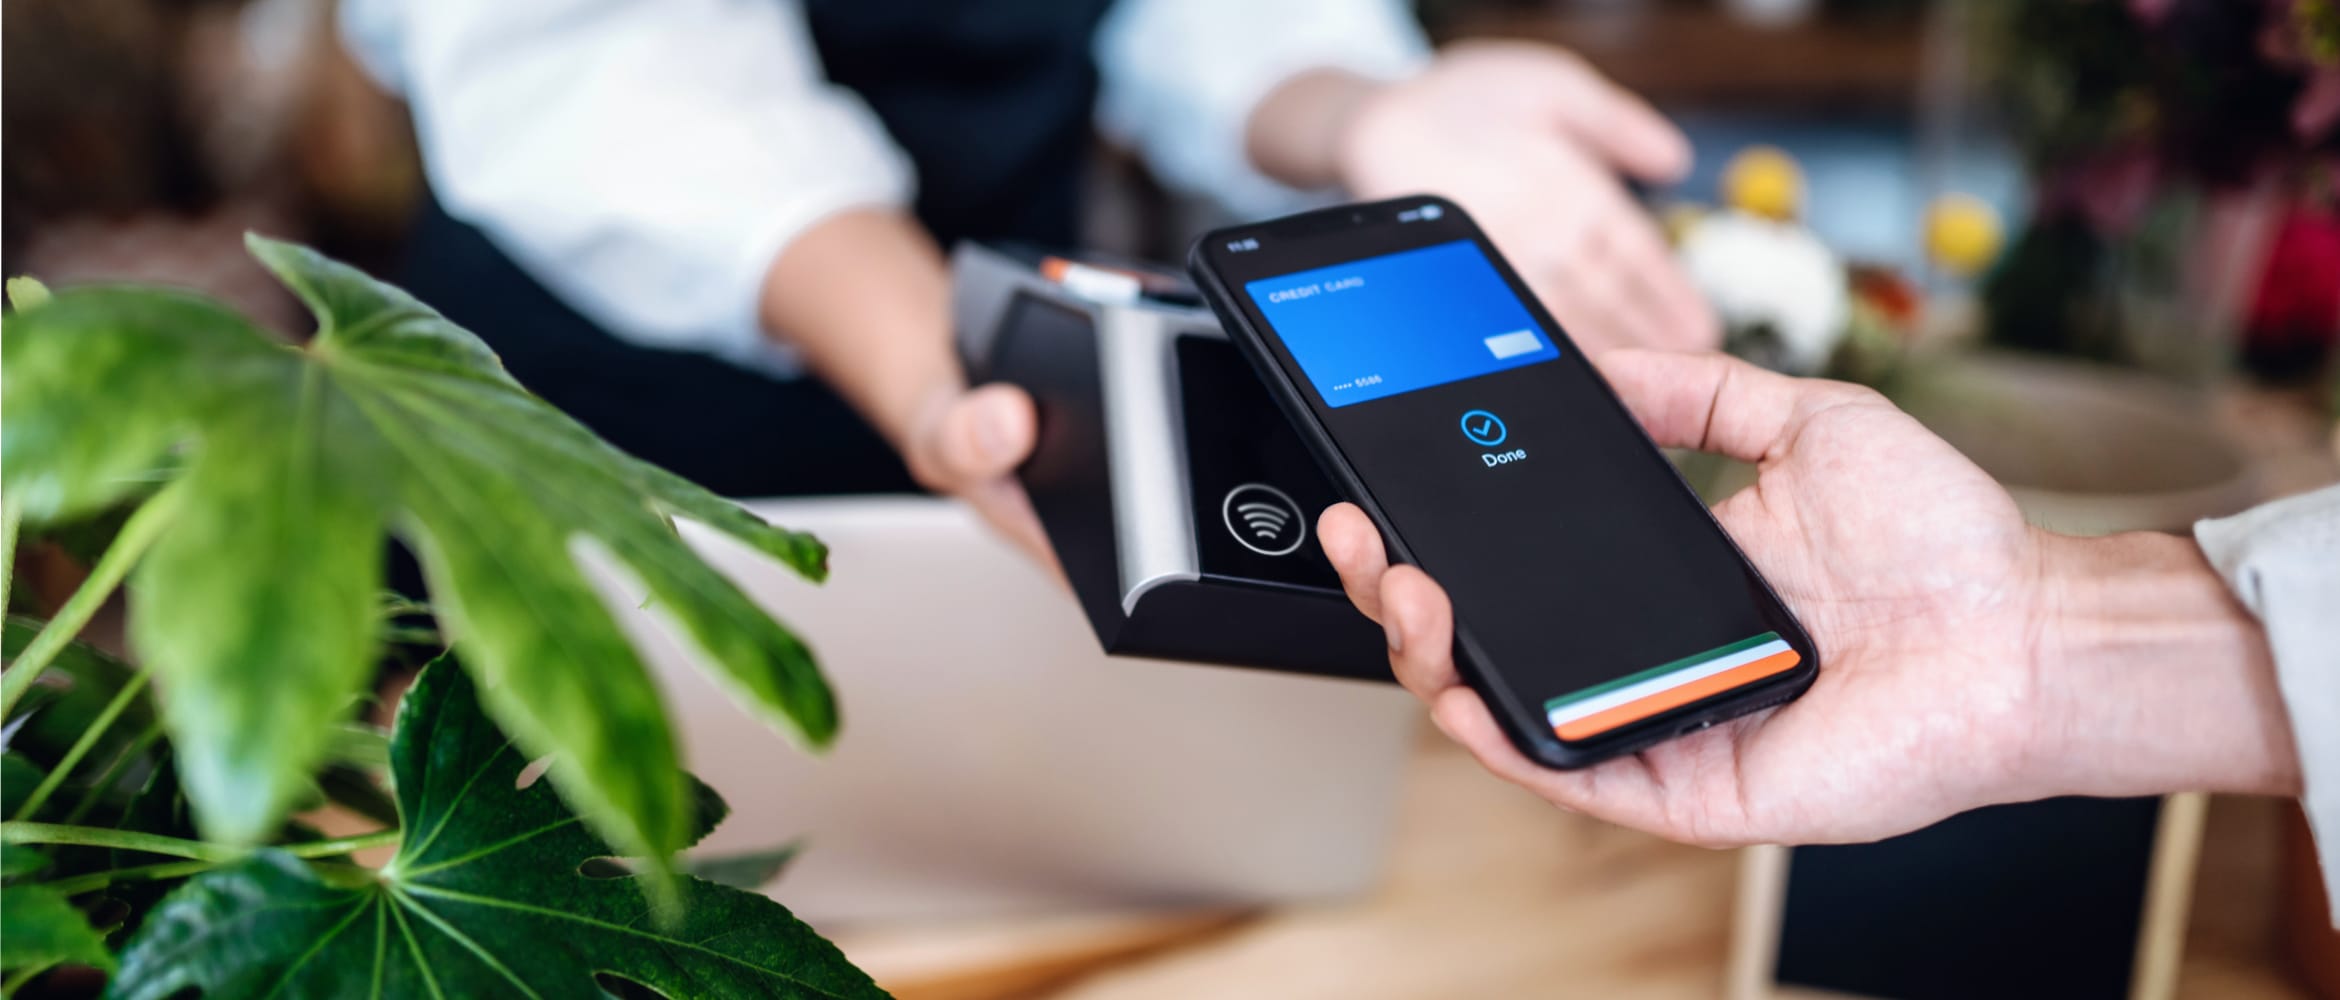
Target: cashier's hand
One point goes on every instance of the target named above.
(865, 296)
(967, 444)
(1912, 569)
(1532, 141)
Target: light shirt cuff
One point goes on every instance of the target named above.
(1180, 79)
(647, 162)
(2282, 561)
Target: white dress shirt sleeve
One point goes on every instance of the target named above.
(1179, 79)
(645, 159)
(2282, 560)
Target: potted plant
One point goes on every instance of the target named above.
(154, 807)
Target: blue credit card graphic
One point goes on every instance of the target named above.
(1399, 322)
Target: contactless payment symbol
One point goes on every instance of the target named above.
(1484, 429)
(1264, 519)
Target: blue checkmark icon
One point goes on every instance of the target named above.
(1484, 428)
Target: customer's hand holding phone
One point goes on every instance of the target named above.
(1971, 659)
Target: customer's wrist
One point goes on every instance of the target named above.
(2152, 677)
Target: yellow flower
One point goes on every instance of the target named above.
(1764, 181)
(1962, 234)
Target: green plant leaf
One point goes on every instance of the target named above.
(25, 293)
(485, 897)
(258, 606)
(126, 781)
(70, 698)
(40, 928)
(18, 777)
(18, 859)
(256, 610)
(126, 784)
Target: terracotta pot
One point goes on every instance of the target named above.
(2085, 449)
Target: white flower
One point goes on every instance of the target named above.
(1772, 275)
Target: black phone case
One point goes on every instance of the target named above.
(1537, 741)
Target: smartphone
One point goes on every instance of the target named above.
(1598, 607)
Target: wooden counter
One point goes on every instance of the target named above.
(1492, 893)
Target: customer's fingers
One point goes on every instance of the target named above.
(1709, 402)
(982, 435)
(1353, 545)
(1419, 621)
(1680, 318)
(1620, 791)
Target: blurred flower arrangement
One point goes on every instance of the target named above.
(2185, 211)
(1779, 290)
(2084, 446)
(2187, 157)
(1789, 302)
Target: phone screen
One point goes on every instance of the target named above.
(1592, 584)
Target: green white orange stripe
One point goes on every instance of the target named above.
(1598, 709)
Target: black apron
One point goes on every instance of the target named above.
(991, 99)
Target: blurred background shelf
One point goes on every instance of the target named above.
(1699, 55)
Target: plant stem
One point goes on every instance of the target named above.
(11, 518)
(82, 747)
(412, 636)
(95, 792)
(124, 840)
(173, 869)
(94, 881)
(138, 533)
(343, 845)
